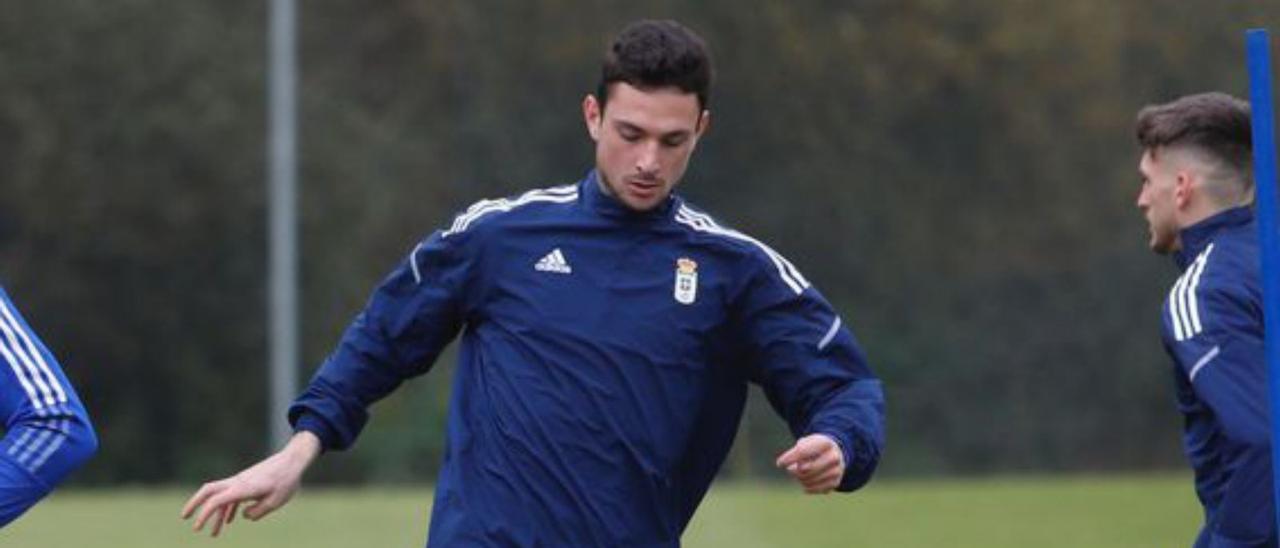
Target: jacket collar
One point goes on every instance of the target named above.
(1197, 236)
(604, 204)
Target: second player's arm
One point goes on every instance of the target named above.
(1225, 367)
(47, 432)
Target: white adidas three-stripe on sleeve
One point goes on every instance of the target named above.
(704, 223)
(560, 194)
(1184, 306)
(28, 364)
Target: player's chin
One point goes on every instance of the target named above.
(644, 203)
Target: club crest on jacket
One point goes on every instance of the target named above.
(686, 290)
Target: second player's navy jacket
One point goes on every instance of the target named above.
(603, 368)
(1213, 329)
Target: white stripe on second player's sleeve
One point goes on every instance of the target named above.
(49, 430)
(63, 433)
(413, 262)
(831, 334)
(1173, 311)
(1203, 361)
(17, 445)
(19, 371)
(12, 351)
(21, 345)
(1201, 263)
(1183, 314)
(1184, 302)
(35, 352)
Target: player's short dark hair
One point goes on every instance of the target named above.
(1214, 123)
(651, 54)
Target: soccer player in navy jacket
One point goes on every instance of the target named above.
(609, 332)
(47, 433)
(1196, 194)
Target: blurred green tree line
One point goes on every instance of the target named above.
(958, 177)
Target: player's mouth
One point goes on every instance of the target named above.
(644, 189)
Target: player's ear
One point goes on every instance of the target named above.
(704, 122)
(1183, 189)
(592, 115)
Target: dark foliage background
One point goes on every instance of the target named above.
(957, 177)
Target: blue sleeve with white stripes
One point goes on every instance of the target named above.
(47, 431)
(811, 368)
(415, 312)
(1215, 335)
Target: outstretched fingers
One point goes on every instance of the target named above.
(207, 490)
(231, 513)
(264, 506)
(260, 489)
(216, 506)
(221, 506)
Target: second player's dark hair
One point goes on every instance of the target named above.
(652, 54)
(1215, 123)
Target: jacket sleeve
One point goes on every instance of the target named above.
(412, 315)
(1216, 339)
(47, 431)
(809, 365)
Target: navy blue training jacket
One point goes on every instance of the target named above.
(603, 367)
(47, 433)
(1213, 329)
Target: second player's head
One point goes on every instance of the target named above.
(1196, 161)
(649, 110)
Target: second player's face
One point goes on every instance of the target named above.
(1158, 203)
(644, 139)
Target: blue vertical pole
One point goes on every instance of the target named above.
(1264, 161)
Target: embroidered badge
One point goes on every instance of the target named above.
(686, 290)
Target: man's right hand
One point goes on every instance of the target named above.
(268, 485)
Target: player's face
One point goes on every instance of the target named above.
(643, 140)
(1158, 202)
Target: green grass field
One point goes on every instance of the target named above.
(1045, 512)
